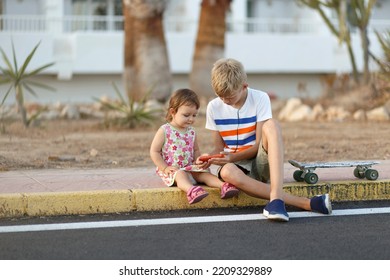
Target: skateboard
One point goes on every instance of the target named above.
(306, 169)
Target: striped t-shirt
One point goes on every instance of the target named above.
(238, 127)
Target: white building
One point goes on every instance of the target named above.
(285, 48)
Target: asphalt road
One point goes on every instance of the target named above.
(247, 237)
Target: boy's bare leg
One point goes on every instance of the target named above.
(273, 143)
(232, 174)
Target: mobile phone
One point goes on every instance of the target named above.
(206, 158)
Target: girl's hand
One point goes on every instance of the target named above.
(170, 169)
(201, 164)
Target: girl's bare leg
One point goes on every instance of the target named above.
(208, 179)
(183, 181)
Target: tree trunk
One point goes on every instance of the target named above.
(146, 65)
(210, 44)
(365, 47)
(20, 101)
(342, 33)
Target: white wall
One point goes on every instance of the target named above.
(85, 63)
(102, 53)
(84, 88)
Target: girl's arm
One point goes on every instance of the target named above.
(196, 149)
(155, 150)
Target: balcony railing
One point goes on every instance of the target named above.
(69, 24)
(66, 24)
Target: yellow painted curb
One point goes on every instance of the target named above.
(163, 199)
(12, 205)
(71, 203)
(66, 203)
(344, 190)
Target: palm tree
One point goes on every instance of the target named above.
(146, 65)
(210, 44)
(360, 13)
(341, 31)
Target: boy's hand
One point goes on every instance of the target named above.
(206, 157)
(218, 159)
(221, 160)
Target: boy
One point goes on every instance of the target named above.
(243, 130)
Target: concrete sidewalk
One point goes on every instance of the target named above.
(69, 192)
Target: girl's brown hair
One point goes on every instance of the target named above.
(179, 98)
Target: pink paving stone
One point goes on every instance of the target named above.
(60, 180)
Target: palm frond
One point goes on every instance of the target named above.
(38, 70)
(27, 61)
(6, 94)
(6, 60)
(14, 57)
(132, 113)
(40, 85)
(29, 89)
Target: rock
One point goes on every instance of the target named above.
(337, 113)
(70, 111)
(301, 113)
(378, 114)
(49, 115)
(93, 152)
(317, 113)
(359, 115)
(290, 107)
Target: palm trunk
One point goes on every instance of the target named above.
(147, 69)
(210, 44)
(355, 72)
(22, 110)
(365, 46)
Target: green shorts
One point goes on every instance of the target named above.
(256, 168)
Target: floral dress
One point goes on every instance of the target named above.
(178, 150)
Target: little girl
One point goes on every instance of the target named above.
(175, 151)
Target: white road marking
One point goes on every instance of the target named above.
(183, 220)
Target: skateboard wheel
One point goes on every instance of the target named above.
(311, 178)
(358, 174)
(298, 175)
(371, 174)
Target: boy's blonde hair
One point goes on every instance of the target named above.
(179, 98)
(227, 76)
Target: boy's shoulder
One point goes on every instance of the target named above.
(255, 93)
(216, 102)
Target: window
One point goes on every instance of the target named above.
(97, 15)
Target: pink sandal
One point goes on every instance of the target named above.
(228, 190)
(196, 194)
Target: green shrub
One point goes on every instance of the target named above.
(129, 113)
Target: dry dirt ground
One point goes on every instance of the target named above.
(86, 144)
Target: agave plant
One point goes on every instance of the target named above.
(19, 79)
(131, 113)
